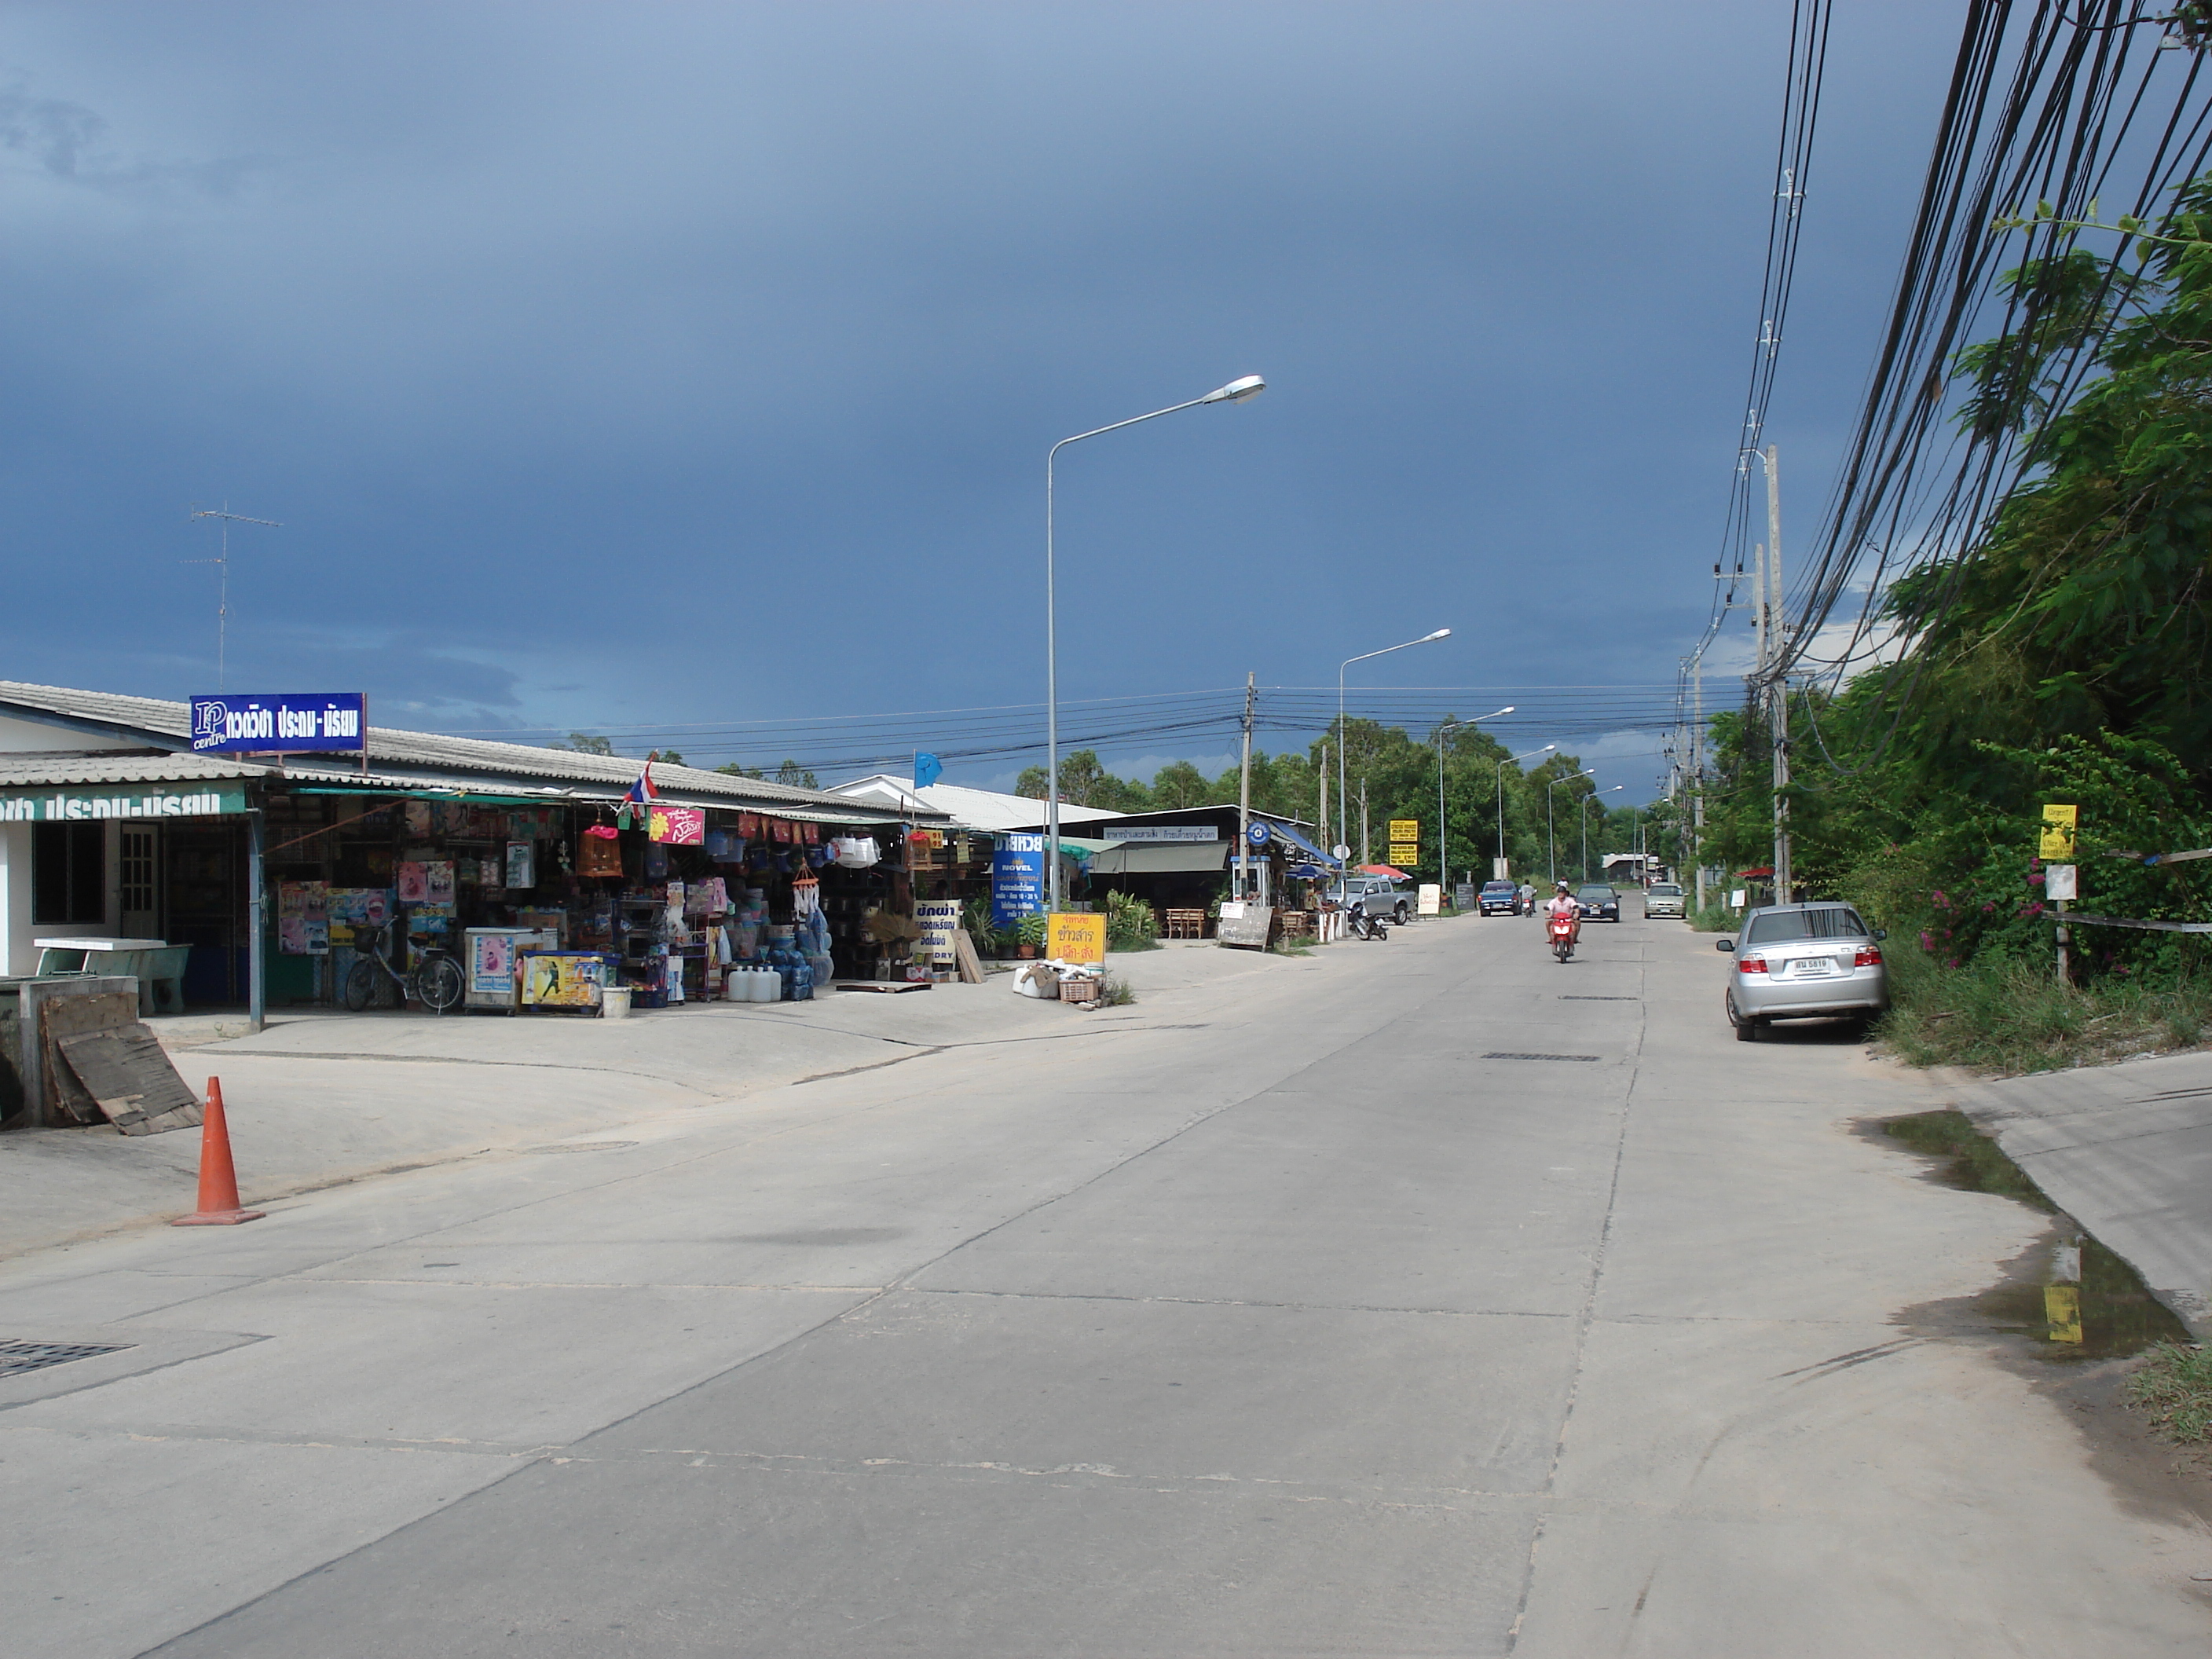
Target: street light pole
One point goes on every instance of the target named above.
(1425, 639)
(1502, 765)
(1444, 848)
(1236, 391)
(1583, 813)
(1550, 840)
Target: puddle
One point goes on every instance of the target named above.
(2076, 1300)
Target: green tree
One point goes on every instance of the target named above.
(584, 743)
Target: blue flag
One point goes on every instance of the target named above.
(927, 768)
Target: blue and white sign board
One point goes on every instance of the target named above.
(233, 723)
(1258, 834)
(1016, 878)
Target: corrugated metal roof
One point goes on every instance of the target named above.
(396, 754)
(33, 771)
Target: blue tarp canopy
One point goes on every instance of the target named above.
(1276, 828)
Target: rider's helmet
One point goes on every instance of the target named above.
(1561, 886)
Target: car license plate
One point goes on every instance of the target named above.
(1812, 967)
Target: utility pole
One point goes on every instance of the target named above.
(1697, 772)
(1778, 685)
(1366, 855)
(1323, 819)
(1244, 800)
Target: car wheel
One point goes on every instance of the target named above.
(1746, 1030)
(1400, 913)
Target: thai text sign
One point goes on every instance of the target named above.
(1404, 829)
(2058, 825)
(678, 826)
(1077, 938)
(236, 723)
(940, 920)
(72, 806)
(1164, 832)
(1016, 879)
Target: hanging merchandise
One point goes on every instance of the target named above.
(856, 852)
(601, 852)
(805, 896)
(656, 862)
(726, 846)
(414, 883)
(438, 880)
(522, 863)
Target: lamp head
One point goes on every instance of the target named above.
(1440, 633)
(1236, 391)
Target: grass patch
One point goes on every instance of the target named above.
(1114, 991)
(1289, 947)
(2173, 1389)
(2015, 1017)
(1124, 946)
(1714, 919)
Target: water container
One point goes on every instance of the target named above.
(825, 969)
(802, 979)
(767, 985)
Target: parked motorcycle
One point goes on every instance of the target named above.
(1366, 927)
(1562, 929)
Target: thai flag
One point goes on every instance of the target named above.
(643, 791)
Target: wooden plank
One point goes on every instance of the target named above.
(126, 1073)
(60, 1016)
(965, 958)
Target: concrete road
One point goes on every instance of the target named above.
(1418, 1298)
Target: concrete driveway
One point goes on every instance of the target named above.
(1420, 1297)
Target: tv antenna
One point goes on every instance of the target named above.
(221, 561)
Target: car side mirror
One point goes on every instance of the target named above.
(1881, 934)
(1724, 945)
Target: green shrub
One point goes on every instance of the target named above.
(1130, 923)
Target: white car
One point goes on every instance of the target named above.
(1663, 898)
(1376, 896)
(1803, 962)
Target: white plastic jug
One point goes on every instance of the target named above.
(767, 984)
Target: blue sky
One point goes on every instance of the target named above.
(666, 366)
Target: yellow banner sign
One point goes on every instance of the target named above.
(1403, 829)
(1069, 937)
(2059, 826)
(1403, 853)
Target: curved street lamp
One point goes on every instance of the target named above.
(1509, 760)
(1444, 850)
(1242, 390)
(1425, 639)
(1582, 810)
(1551, 841)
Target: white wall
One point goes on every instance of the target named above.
(18, 736)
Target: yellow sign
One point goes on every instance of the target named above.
(2058, 825)
(1403, 853)
(1404, 829)
(1071, 938)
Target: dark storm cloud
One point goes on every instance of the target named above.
(562, 339)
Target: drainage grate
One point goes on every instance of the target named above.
(1501, 1053)
(1569, 997)
(584, 1146)
(17, 1356)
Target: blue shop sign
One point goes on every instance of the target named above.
(1016, 878)
(232, 723)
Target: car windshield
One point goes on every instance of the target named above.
(1498, 887)
(1665, 890)
(1831, 921)
(1596, 893)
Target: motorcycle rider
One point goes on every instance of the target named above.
(1562, 904)
(1525, 903)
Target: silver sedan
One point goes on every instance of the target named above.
(1663, 898)
(1803, 962)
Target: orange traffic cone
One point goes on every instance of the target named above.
(218, 1178)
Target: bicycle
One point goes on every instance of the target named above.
(436, 981)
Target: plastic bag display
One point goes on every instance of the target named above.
(856, 852)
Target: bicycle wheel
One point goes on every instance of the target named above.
(440, 983)
(360, 984)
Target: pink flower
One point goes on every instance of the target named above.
(1990, 906)
(2034, 909)
(1953, 963)
(1941, 903)
(1926, 942)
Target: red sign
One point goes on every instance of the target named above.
(679, 826)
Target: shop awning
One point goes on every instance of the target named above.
(1163, 858)
(1278, 831)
